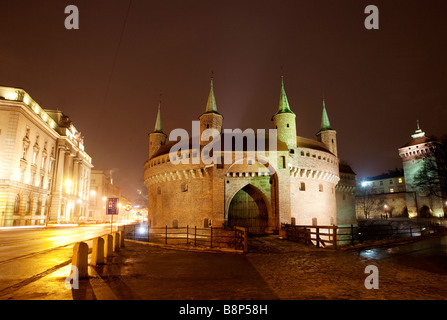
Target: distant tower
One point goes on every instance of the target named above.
(326, 134)
(211, 119)
(414, 154)
(157, 138)
(284, 120)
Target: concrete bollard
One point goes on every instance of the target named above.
(97, 252)
(121, 238)
(80, 259)
(116, 241)
(108, 245)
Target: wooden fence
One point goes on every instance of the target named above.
(335, 236)
(324, 236)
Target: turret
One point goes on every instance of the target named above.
(157, 138)
(326, 134)
(284, 120)
(211, 119)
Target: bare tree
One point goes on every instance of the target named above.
(432, 176)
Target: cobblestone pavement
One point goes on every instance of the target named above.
(295, 271)
(273, 269)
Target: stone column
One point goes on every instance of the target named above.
(58, 184)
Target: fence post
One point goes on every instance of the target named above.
(335, 237)
(235, 238)
(317, 234)
(211, 236)
(352, 234)
(187, 234)
(195, 236)
(166, 235)
(411, 232)
(148, 233)
(245, 239)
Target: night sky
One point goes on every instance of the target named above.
(108, 75)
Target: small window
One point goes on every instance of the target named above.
(391, 190)
(184, 187)
(302, 186)
(320, 187)
(391, 181)
(28, 205)
(159, 190)
(400, 180)
(175, 224)
(282, 162)
(17, 204)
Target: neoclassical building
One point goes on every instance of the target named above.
(44, 169)
(225, 179)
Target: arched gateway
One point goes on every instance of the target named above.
(248, 208)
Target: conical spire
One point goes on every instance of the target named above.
(211, 104)
(283, 102)
(325, 124)
(158, 127)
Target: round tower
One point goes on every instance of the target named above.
(157, 138)
(211, 119)
(284, 120)
(326, 134)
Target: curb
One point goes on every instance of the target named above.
(187, 248)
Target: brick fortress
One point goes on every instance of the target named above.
(301, 181)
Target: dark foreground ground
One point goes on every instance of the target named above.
(273, 269)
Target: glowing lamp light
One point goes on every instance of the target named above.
(104, 198)
(93, 193)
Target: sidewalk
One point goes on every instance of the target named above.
(145, 272)
(273, 269)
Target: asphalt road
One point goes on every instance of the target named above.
(27, 252)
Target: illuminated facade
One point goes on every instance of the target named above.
(101, 188)
(418, 150)
(44, 170)
(293, 182)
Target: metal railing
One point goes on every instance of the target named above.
(190, 236)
